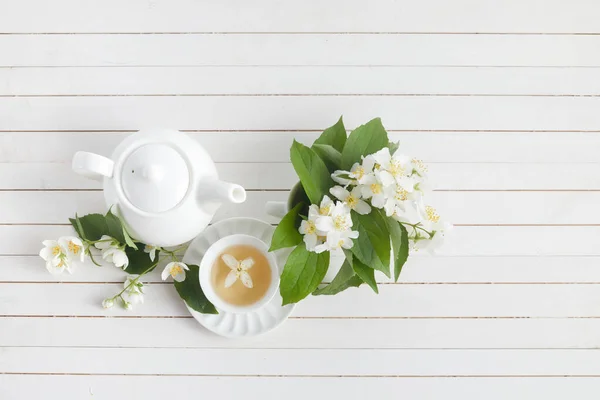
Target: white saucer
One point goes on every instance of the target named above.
(239, 325)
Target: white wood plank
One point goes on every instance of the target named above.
(273, 147)
(458, 207)
(261, 176)
(38, 81)
(301, 362)
(465, 240)
(439, 269)
(298, 333)
(398, 301)
(298, 49)
(74, 387)
(280, 113)
(312, 15)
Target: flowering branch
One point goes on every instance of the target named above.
(107, 234)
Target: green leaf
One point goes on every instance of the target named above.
(372, 247)
(344, 279)
(302, 274)
(115, 227)
(334, 136)
(362, 249)
(329, 155)
(393, 146)
(366, 273)
(286, 234)
(139, 261)
(90, 227)
(364, 140)
(77, 226)
(402, 255)
(128, 240)
(191, 292)
(312, 171)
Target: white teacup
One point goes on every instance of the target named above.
(209, 260)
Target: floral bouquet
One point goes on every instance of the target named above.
(359, 196)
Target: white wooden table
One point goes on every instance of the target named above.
(499, 97)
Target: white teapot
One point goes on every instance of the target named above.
(162, 183)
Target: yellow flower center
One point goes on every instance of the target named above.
(420, 165)
(377, 166)
(324, 210)
(56, 250)
(396, 169)
(340, 223)
(359, 173)
(352, 201)
(432, 215)
(376, 188)
(401, 194)
(73, 248)
(176, 270)
(310, 228)
(340, 243)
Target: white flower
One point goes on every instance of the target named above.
(133, 290)
(435, 242)
(419, 167)
(431, 220)
(239, 269)
(106, 242)
(337, 228)
(403, 211)
(116, 256)
(342, 177)
(311, 234)
(372, 188)
(73, 247)
(352, 199)
(339, 220)
(151, 250)
(336, 240)
(56, 257)
(395, 168)
(112, 251)
(108, 303)
(127, 305)
(324, 208)
(176, 270)
(357, 173)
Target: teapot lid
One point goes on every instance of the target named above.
(155, 177)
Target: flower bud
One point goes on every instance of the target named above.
(127, 306)
(108, 303)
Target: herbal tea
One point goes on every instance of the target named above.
(241, 275)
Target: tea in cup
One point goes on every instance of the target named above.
(238, 274)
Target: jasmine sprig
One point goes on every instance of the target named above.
(132, 293)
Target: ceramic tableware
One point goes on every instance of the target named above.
(209, 262)
(278, 209)
(231, 324)
(162, 183)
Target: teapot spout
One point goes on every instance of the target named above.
(222, 192)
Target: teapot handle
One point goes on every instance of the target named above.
(92, 165)
(276, 209)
